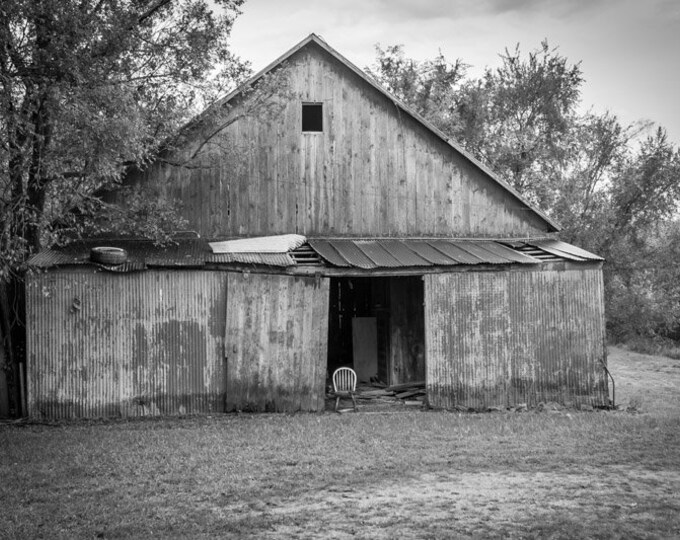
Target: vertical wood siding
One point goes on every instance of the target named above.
(102, 344)
(373, 170)
(276, 342)
(505, 338)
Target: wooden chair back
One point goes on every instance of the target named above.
(344, 380)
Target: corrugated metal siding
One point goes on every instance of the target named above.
(276, 342)
(104, 344)
(282, 243)
(50, 257)
(267, 259)
(500, 339)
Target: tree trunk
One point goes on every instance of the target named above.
(9, 384)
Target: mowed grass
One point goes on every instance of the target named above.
(411, 474)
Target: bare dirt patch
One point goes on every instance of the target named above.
(485, 504)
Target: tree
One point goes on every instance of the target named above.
(430, 88)
(597, 147)
(615, 192)
(516, 118)
(89, 88)
(640, 241)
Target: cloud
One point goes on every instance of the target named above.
(426, 10)
(554, 7)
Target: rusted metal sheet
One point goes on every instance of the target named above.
(330, 253)
(142, 254)
(506, 253)
(393, 253)
(378, 253)
(349, 251)
(276, 342)
(485, 256)
(146, 343)
(49, 258)
(457, 254)
(403, 253)
(428, 252)
(505, 338)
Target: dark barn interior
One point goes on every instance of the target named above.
(376, 326)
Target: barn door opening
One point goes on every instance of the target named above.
(376, 326)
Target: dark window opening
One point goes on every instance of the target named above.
(312, 117)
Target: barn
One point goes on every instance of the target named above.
(332, 226)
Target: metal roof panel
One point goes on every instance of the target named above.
(510, 255)
(349, 251)
(565, 250)
(476, 248)
(451, 250)
(327, 251)
(429, 253)
(50, 257)
(141, 253)
(375, 251)
(401, 251)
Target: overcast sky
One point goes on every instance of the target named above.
(629, 49)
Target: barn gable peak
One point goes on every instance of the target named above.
(315, 40)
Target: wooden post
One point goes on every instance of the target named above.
(4, 387)
(22, 391)
(7, 364)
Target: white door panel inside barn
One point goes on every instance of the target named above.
(276, 342)
(506, 338)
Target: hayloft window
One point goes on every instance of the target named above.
(312, 117)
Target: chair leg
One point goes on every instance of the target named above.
(355, 402)
(337, 402)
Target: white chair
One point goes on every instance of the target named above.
(344, 385)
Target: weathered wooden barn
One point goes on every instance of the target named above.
(336, 227)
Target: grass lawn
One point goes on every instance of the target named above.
(411, 474)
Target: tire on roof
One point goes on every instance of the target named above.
(108, 255)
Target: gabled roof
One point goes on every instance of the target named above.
(319, 42)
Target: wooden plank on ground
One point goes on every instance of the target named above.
(405, 386)
(409, 393)
(374, 393)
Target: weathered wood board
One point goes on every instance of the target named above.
(276, 342)
(374, 170)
